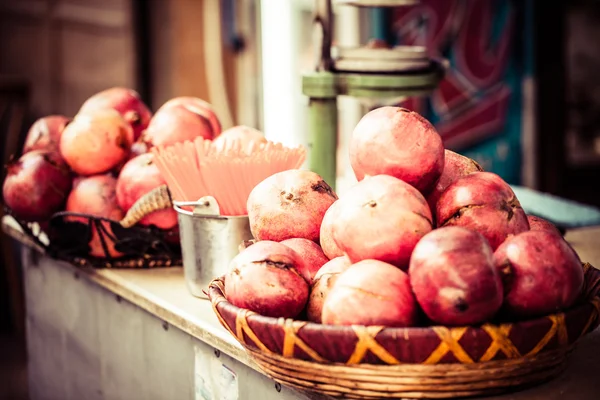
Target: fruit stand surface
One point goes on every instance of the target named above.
(128, 334)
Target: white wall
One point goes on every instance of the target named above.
(287, 51)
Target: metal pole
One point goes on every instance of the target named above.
(322, 128)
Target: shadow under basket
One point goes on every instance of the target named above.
(69, 235)
(435, 362)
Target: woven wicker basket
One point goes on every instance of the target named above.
(68, 240)
(374, 362)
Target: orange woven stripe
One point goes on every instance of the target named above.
(291, 339)
(449, 342)
(563, 334)
(557, 320)
(500, 341)
(241, 327)
(586, 266)
(366, 341)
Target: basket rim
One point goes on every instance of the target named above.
(216, 294)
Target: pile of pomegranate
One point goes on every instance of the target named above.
(424, 237)
(98, 162)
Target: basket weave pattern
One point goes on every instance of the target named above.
(428, 362)
(142, 247)
(367, 381)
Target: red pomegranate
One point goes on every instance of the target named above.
(371, 292)
(181, 119)
(264, 278)
(201, 106)
(96, 196)
(96, 142)
(542, 274)
(138, 148)
(36, 185)
(483, 202)
(289, 204)
(45, 133)
(311, 253)
(453, 276)
(126, 101)
(244, 135)
(330, 248)
(455, 166)
(323, 282)
(381, 218)
(377, 44)
(398, 142)
(138, 177)
(540, 224)
(77, 179)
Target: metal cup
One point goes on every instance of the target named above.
(209, 241)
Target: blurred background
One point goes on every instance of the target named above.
(521, 94)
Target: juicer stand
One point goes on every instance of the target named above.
(325, 83)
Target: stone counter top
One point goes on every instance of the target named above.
(163, 293)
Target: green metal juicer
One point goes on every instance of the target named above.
(371, 72)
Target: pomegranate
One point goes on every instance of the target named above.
(181, 119)
(264, 278)
(245, 244)
(138, 148)
(36, 185)
(540, 224)
(96, 142)
(289, 204)
(77, 179)
(398, 142)
(127, 102)
(455, 166)
(201, 107)
(371, 292)
(483, 202)
(45, 133)
(330, 248)
(381, 218)
(323, 282)
(172, 236)
(453, 277)
(138, 177)
(241, 134)
(311, 254)
(96, 196)
(377, 44)
(541, 274)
